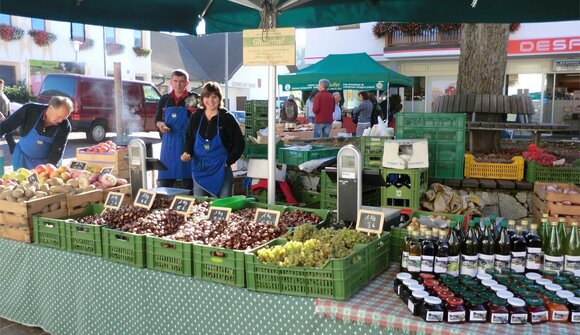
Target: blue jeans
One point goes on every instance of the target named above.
(311, 119)
(226, 190)
(322, 129)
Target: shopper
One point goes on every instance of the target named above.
(310, 107)
(361, 114)
(323, 109)
(213, 142)
(289, 111)
(337, 114)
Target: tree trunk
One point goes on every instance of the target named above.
(482, 65)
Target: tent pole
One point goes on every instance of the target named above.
(227, 73)
(272, 134)
(412, 99)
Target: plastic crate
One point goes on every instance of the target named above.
(294, 156)
(169, 256)
(339, 279)
(369, 198)
(124, 248)
(446, 151)
(378, 253)
(446, 169)
(371, 148)
(49, 232)
(535, 172)
(401, 198)
(252, 150)
(84, 238)
(328, 184)
(513, 171)
(419, 178)
(219, 265)
(322, 213)
(430, 120)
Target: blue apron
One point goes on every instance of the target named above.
(172, 144)
(32, 149)
(209, 158)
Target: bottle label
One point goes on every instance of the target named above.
(539, 316)
(411, 306)
(572, 263)
(414, 264)
(456, 316)
(434, 316)
(518, 319)
(559, 316)
(518, 262)
(453, 266)
(534, 258)
(502, 262)
(500, 317)
(575, 317)
(553, 263)
(477, 315)
(441, 264)
(404, 259)
(485, 262)
(427, 263)
(469, 265)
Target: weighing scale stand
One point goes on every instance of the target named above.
(139, 164)
(349, 183)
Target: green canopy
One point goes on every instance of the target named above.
(348, 71)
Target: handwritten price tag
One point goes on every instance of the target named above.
(182, 205)
(78, 165)
(266, 216)
(114, 200)
(145, 199)
(370, 221)
(219, 213)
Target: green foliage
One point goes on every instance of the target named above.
(17, 94)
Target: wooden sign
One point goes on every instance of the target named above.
(145, 199)
(33, 178)
(114, 200)
(266, 216)
(219, 213)
(78, 165)
(107, 170)
(370, 221)
(182, 205)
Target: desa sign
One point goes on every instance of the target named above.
(544, 46)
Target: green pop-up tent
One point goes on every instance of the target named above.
(345, 72)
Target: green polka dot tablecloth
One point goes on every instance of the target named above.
(67, 293)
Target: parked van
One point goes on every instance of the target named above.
(94, 103)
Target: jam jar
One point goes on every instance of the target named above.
(517, 310)
(498, 287)
(483, 276)
(443, 295)
(476, 311)
(518, 277)
(429, 284)
(412, 289)
(454, 310)
(404, 290)
(441, 288)
(550, 274)
(488, 283)
(574, 307)
(557, 310)
(533, 276)
(561, 280)
(498, 312)
(567, 274)
(504, 294)
(415, 302)
(431, 311)
(492, 272)
(569, 287)
(553, 288)
(399, 281)
(564, 294)
(543, 281)
(425, 276)
(537, 313)
(527, 282)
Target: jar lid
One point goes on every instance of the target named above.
(567, 274)
(420, 294)
(574, 301)
(445, 294)
(550, 273)
(408, 282)
(534, 302)
(440, 288)
(498, 301)
(553, 287)
(561, 280)
(488, 282)
(518, 276)
(475, 301)
(507, 271)
(430, 282)
(527, 294)
(569, 287)
(403, 275)
(558, 301)
(498, 288)
(543, 281)
(535, 287)
(516, 302)
(483, 276)
(491, 271)
(504, 294)
(432, 300)
(416, 288)
(533, 275)
(427, 276)
(454, 301)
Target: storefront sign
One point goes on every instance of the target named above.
(567, 65)
(544, 46)
(271, 47)
(338, 85)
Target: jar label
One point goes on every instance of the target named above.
(469, 265)
(534, 258)
(441, 264)
(477, 315)
(398, 289)
(575, 317)
(434, 316)
(404, 259)
(553, 263)
(539, 316)
(414, 264)
(519, 319)
(559, 316)
(453, 266)
(485, 262)
(456, 316)
(427, 263)
(499, 317)
(572, 263)
(502, 262)
(518, 262)
(411, 306)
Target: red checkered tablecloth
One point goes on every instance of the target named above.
(377, 305)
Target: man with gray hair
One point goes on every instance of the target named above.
(4, 102)
(323, 109)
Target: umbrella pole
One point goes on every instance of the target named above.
(272, 135)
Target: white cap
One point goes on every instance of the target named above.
(564, 294)
(574, 300)
(420, 294)
(403, 275)
(543, 281)
(488, 282)
(504, 294)
(416, 288)
(499, 288)
(553, 287)
(483, 276)
(533, 275)
(432, 300)
(516, 302)
(409, 282)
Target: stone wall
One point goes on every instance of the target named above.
(509, 204)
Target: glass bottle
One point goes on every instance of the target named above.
(537, 313)
(562, 229)
(517, 310)
(518, 253)
(492, 220)
(478, 230)
(414, 259)
(572, 260)
(454, 252)
(427, 253)
(525, 227)
(405, 249)
(469, 252)
(485, 256)
(431, 311)
(554, 253)
(459, 229)
(498, 312)
(533, 250)
(442, 253)
(502, 248)
(544, 230)
(574, 307)
(454, 310)
(511, 230)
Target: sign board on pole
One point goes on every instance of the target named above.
(269, 47)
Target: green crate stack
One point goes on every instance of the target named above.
(169, 256)
(256, 116)
(371, 195)
(124, 248)
(404, 197)
(49, 232)
(378, 253)
(552, 174)
(446, 135)
(219, 265)
(253, 150)
(84, 238)
(371, 148)
(293, 156)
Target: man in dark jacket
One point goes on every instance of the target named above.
(289, 111)
(323, 109)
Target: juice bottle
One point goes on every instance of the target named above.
(427, 253)
(518, 253)
(502, 248)
(563, 231)
(533, 250)
(525, 227)
(485, 256)
(511, 229)
(572, 260)
(544, 229)
(459, 229)
(442, 254)
(469, 252)
(414, 260)
(492, 219)
(405, 249)
(477, 222)
(554, 253)
(454, 251)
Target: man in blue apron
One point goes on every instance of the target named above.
(213, 142)
(171, 120)
(44, 132)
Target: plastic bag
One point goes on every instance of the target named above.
(379, 129)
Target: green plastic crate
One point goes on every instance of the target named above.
(401, 198)
(124, 248)
(432, 134)
(395, 252)
(446, 151)
(252, 150)
(294, 156)
(419, 178)
(328, 184)
(84, 238)
(169, 256)
(262, 197)
(535, 172)
(219, 265)
(446, 169)
(430, 120)
(339, 279)
(49, 232)
(371, 148)
(369, 198)
(378, 253)
(322, 213)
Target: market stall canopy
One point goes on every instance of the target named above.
(349, 72)
(236, 15)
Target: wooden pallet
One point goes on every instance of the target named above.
(78, 202)
(549, 202)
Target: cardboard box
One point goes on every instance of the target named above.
(406, 154)
(258, 168)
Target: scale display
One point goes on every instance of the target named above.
(349, 183)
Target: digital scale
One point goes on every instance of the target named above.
(349, 183)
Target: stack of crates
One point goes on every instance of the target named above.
(404, 187)
(371, 148)
(371, 195)
(256, 119)
(445, 133)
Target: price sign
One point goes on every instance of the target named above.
(107, 170)
(145, 199)
(182, 205)
(114, 200)
(219, 213)
(266, 216)
(78, 165)
(33, 178)
(370, 221)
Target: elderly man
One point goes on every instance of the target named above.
(323, 109)
(4, 102)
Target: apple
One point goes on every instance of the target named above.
(40, 168)
(54, 174)
(50, 168)
(65, 176)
